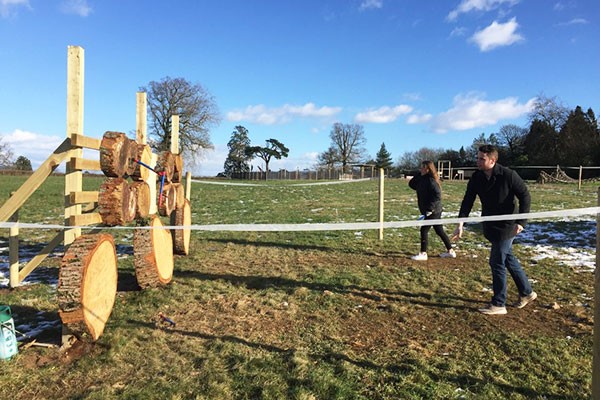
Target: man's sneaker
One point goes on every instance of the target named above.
(493, 310)
(524, 300)
(449, 254)
(420, 257)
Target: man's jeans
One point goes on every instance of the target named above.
(502, 259)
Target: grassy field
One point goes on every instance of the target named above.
(315, 315)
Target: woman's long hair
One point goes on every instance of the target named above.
(430, 166)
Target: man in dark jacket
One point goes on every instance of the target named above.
(497, 187)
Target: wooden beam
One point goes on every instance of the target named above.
(74, 177)
(175, 134)
(85, 219)
(188, 186)
(86, 142)
(83, 197)
(41, 256)
(35, 181)
(84, 164)
(141, 118)
(13, 251)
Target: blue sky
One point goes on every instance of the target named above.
(414, 73)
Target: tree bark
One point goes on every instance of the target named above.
(87, 285)
(114, 202)
(153, 254)
(114, 154)
(182, 216)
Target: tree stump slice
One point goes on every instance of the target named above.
(132, 148)
(153, 254)
(178, 168)
(114, 203)
(131, 206)
(181, 237)
(114, 154)
(144, 154)
(141, 192)
(179, 195)
(168, 202)
(87, 285)
(166, 165)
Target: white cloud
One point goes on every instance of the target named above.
(77, 7)
(458, 31)
(497, 35)
(261, 114)
(472, 111)
(466, 6)
(382, 115)
(574, 21)
(36, 147)
(9, 7)
(418, 119)
(370, 4)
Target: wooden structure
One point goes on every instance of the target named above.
(88, 272)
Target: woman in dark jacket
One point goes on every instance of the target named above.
(429, 197)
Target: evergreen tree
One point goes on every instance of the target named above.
(23, 164)
(383, 158)
(237, 161)
(578, 139)
(273, 149)
(541, 144)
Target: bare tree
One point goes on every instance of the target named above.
(348, 141)
(549, 110)
(328, 158)
(6, 154)
(197, 112)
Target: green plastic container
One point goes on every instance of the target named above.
(8, 338)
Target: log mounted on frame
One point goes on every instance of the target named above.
(182, 217)
(141, 192)
(179, 194)
(114, 202)
(131, 157)
(87, 285)
(178, 168)
(144, 154)
(166, 165)
(153, 253)
(114, 154)
(168, 201)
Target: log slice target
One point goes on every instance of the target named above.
(182, 216)
(153, 254)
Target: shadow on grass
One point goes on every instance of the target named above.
(375, 294)
(405, 368)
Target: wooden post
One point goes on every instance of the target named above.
(175, 134)
(188, 185)
(381, 197)
(580, 174)
(141, 118)
(152, 183)
(74, 177)
(13, 251)
(596, 359)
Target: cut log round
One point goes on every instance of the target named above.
(166, 165)
(168, 201)
(141, 192)
(131, 157)
(114, 154)
(178, 168)
(181, 237)
(179, 195)
(131, 206)
(114, 204)
(87, 285)
(153, 254)
(144, 154)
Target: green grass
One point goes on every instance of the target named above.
(315, 315)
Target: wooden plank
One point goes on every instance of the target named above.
(85, 141)
(85, 219)
(141, 118)
(188, 186)
(83, 197)
(85, 164)
(74, 177)
(41, 256)
(175, 134)
(13, 251)
(151, 181)
(35, 180)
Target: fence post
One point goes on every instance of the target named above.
(596, 359)
(13, 251)
(381, 197)
(580, 174)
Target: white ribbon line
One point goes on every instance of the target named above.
(575, 212)
(291, 184)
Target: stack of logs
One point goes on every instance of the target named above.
(88, 274)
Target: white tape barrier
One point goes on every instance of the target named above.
(291, 184)
(575, 212)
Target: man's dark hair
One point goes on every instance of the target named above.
(490, 150)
